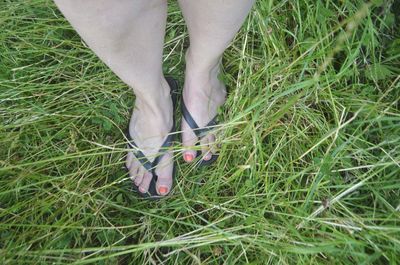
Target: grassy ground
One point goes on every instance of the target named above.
(309, 169)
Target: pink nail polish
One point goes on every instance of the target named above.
(163, 190)
(188, 157)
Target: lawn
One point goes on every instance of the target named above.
(309, 168)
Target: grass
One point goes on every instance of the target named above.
(310, 164)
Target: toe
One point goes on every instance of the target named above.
(164, 184)
(205, 147)
(137, 175)
(212, 144)
(189, 140)
(164, 172)
(128, 161)
(144, 186)
(189, 155)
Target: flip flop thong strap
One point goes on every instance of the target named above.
(140, 156)
(163, 149)
(149, 166)
(200, 132)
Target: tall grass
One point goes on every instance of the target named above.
(309, 170)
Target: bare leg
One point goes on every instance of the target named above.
(128, 36)
(212, 24)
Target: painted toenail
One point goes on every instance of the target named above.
(142, 190)
(163, 190)
(188, 157)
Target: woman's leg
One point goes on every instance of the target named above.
(212, 24)
(128, 36)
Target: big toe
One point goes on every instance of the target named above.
(164, 185)
(165, 175)
(189, 140)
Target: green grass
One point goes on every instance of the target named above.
(310, 158)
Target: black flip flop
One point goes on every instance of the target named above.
(200, 133)
(151, 166)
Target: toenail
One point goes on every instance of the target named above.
(163, 190)
(188, 157)
(207, 157)
(142, 190)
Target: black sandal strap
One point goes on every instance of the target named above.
(139, 155)
(188, 117)
(200, 132)
(150, 166)
(163, 149)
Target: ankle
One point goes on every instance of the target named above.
(200, 68)
(154, 99)
(201, 79)
(203, 88)
(150, 109)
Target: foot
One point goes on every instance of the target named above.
(203, 94)
(149, 126)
